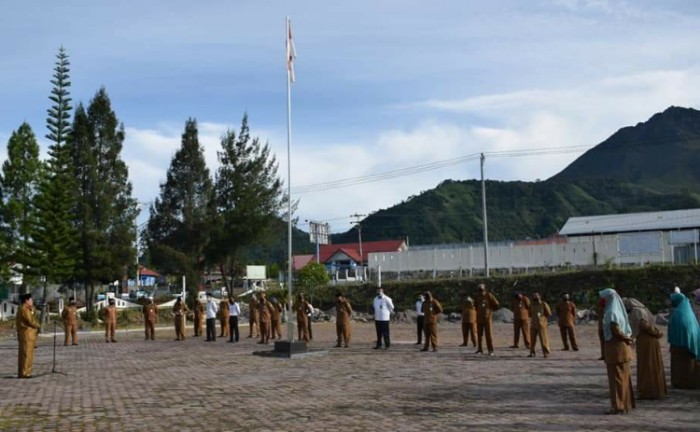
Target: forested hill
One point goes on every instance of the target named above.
(652, 166)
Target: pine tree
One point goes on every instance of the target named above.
(21, 174)
(105, 209)
(51, 249)
(248, 198)
(179, 223)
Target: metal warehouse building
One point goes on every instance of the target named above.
(667, 237)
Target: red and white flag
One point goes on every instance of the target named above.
(291, 52)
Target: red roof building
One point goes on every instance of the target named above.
(348, 254)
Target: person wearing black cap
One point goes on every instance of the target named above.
(431, 310)
(486, 303)
(180, 311)
(566, 311)
(110, 318)
(150, 316)
(27, 327)
(198, 309)
(521, 319)
(70, 322)
(212, 310)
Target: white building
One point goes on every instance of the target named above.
(669, 237)
(8, 310)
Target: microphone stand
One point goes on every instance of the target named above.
(53, 370)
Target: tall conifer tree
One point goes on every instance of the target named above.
(51, 249)
(105, 210)
(179, 222)
(248, 198)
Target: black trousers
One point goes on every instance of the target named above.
(233, 328)
(419, 327)
(211, 329)
(382, 332)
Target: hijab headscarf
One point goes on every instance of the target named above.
(683, 328)
(637, 312)
(614, 314)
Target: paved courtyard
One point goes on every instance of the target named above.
(192, 385)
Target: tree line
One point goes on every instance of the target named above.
(71, 219)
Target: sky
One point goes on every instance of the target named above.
(381, 86)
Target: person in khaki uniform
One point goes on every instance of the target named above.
(254, 317)
(179, 312)
(431, 310)
(468, 322)
(70, 322)
(275, 319)
(301, 308)
(343, 312)
(264, 315)
(110, 319)
(566, 311)
(618, 352)
(539, 312)
(27, 327)
(150, 316)
(198, 311)
(486, 303)
(223, 318)
(521, 319)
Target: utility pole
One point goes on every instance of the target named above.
(483, 207)
(358, 225)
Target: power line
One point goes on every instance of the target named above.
(352, 181)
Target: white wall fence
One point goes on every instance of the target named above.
(527, 256)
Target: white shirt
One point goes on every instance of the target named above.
(212, 309)
(383, 307)
(234, 309)
(419, 307)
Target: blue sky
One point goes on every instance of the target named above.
(380, 85)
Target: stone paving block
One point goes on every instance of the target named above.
(164, 385)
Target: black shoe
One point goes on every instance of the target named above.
(377, 347)
(463, 345)
(419, 343)
(575, 349)
(424, 349)
(479, 352)
(565, 349)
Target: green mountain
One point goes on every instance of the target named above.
(651, 166)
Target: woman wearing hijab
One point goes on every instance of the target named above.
(618, 354)
(651, 381)
(684, 338)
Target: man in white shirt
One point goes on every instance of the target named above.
(211, 310)
(419, 318)
(234, 309)
(383, 308)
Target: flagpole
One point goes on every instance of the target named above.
(290, 300)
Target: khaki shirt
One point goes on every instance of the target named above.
(521, 309)
(431, 310)
(70, 315)
(343, 311)
(539, 313)
(566, 311)
(485, 305)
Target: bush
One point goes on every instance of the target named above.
(651, 285)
